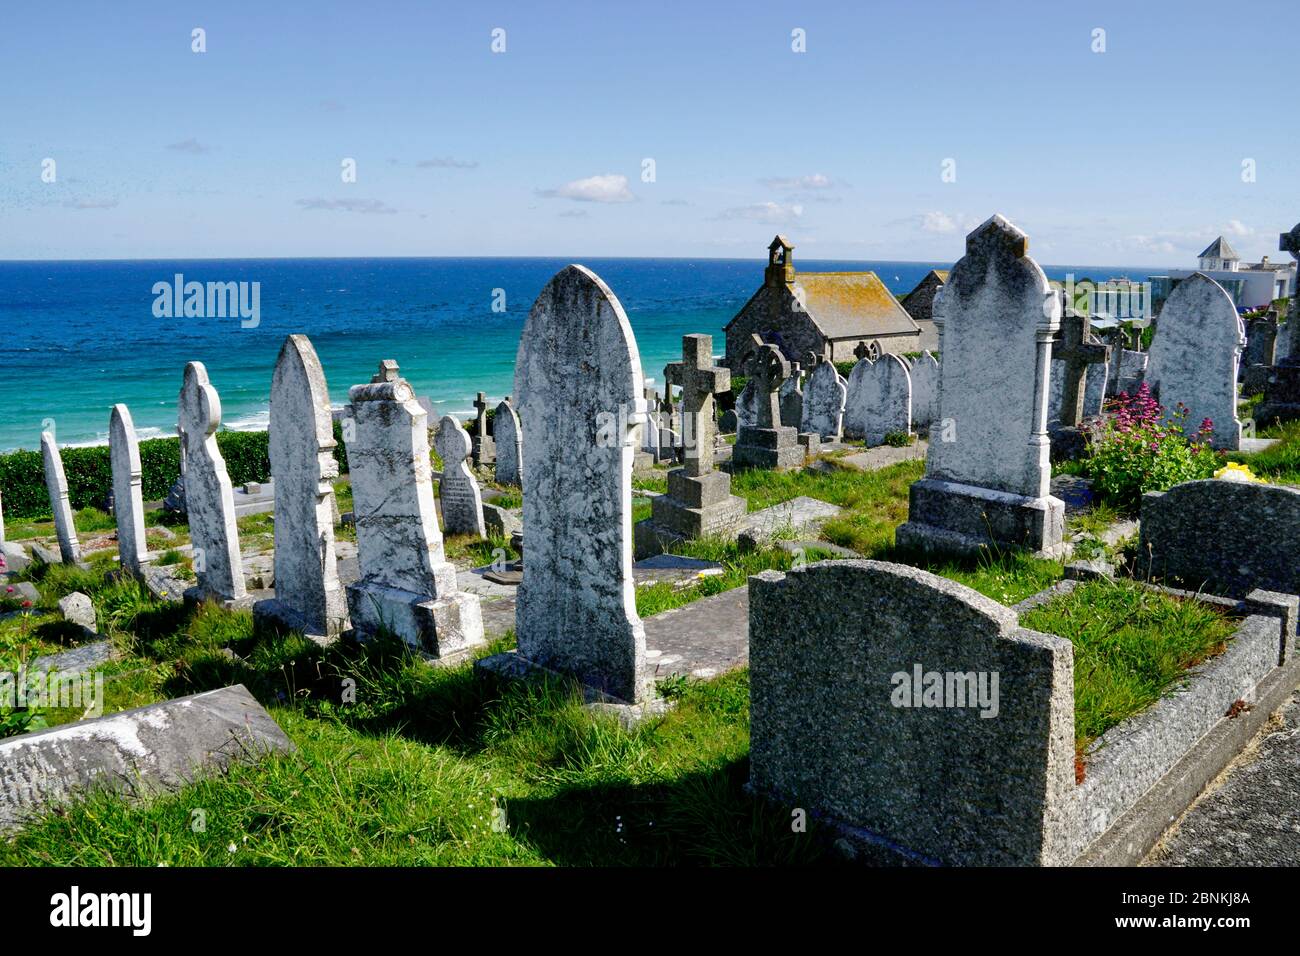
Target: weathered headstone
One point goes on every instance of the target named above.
(699, 499)
(483, 446)
(790, 397)
(918, 716)
(987, 473)
(462, 502)
(1074, 356)
(1261, 340)
(1094, 394)
(128, 500)
(1228, 537)
(747, 405)
(209, 497)
(1194, 356)
(308, 593)
(578, 381)
(1127, 370)
(161, 746)
(823, 403)
(509, 441)
(1281, 400)
(879, 400)
(407, 585)
(767, 443)
(924, 374)
(56, 483)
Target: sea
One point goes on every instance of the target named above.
(80, 336)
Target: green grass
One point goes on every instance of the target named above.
(1131, 644)
(1280, 463)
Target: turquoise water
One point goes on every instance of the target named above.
(81, 336)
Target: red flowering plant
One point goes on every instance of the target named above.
(1140, 447)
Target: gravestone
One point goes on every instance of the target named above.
(483, 446)
(767, 443)
(1074, 356)
(879, 400)
(917, 718)
(1228, 537)
(1194, 358)
(790, 397)
(1261, 340)
(128, 501)
(462, 502)
(650, 430)
(1128, 369)
(1095, 384)
(406, 583)
(823, 403)
(924, 374)
(137, 752)
(209, 497)
(747, 405)
(987, 475)
(509, 442)
(56, 483)
(670, 424)
(578, 381)
(308, 594)
(699, 499)
(1281, 400)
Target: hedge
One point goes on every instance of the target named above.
(90, 474)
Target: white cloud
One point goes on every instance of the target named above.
(1236, 227)
(812, 181)
(939, 222)
(190, 145)
(772, 213)
(371, 206)
(607, 188)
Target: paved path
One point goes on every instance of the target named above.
(1250, 816)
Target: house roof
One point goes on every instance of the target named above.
(1219, 249)
(849, 305)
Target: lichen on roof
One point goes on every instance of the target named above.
(845, 304)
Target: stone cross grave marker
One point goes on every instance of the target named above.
(56, 482)
(462, 502)
(509, 442)
(128, 500)
(407, 585)
(484, 452)
(209, 497)
(699, 379)
(1194, 357)
(767, 443)
(987, 477)
(578, 381)
(1072, 353)
(768, 369)
(308, 593)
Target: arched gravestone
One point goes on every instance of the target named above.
(209, 497)
(308, 592)
(791, 397)
(882, 713)
(128, 499)
(987, 476)
(578, 382)
(1227, 537)
(509, 442)
(925, 389)
(823, 403)
(56, 483)
(1198, 343)
(879, 399)
(462, 502)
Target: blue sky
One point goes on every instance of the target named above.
(1128, 157)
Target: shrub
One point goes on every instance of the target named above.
(899, 439)
(1141, 448)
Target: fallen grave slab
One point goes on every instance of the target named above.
(158, 747)
(702, 639)
(79, 659)
(797, 514)
(882, 456)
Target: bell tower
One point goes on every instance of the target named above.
(780, 263)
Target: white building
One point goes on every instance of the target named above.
(1252, 285)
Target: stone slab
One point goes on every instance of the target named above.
(79, 659)
(702, 639)
(882, 456)
(797, 514)
(162, 746)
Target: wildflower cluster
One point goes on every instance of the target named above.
(1141, 448)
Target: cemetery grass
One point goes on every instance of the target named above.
(417, 769)
(1281, 462)
(1131, 645)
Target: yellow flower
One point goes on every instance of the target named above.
(1235, 471)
